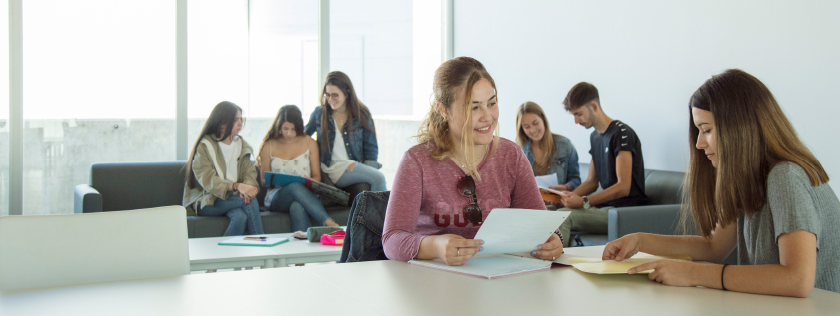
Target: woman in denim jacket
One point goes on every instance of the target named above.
(551, 155)
(340, 152)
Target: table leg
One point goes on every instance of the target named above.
(281, 263)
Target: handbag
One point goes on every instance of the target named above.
(314, 233)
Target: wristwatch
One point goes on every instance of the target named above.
(585, 201)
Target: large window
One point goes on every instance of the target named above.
(260, 57)
(100, 78)
(99, 86)
(4, 108)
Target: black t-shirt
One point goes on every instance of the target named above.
(605, 148)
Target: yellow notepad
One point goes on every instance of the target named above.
(590, 265)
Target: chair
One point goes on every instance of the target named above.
(363, 241)
(54, 250)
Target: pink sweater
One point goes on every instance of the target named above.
(424, 200)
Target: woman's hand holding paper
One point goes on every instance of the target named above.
(622, 248)
(455, 250)
(550, 250)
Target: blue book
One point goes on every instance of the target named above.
(273, 179)
(252, 241)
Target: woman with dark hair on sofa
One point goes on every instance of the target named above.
(346, 135)
(287, 149)
(753, 187)
(461, 170)
(220, 177)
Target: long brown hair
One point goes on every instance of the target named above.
(220, 123)
(546, 143)
(354, 108)
(751, 134)
(287, 113)
(451, 77)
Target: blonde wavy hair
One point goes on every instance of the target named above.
(452, 77)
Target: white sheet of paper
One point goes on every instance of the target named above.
(508, 230)
(547, 181)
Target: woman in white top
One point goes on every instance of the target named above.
(286, 149)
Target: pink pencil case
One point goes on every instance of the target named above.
(334, 239)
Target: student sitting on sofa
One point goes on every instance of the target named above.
(460, 172)
(346, 135)
(753, 187)
(286, 149)
(220, 177)
(548, 153)
(617, 165)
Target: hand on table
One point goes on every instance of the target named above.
(550, 250)
(669, 272)
(455, 250)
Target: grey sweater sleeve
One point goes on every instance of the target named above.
(791, 199)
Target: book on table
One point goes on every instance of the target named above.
(507, 231)
(253, 241)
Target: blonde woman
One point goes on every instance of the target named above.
(754, 188)
(460, 172)
(548, 153)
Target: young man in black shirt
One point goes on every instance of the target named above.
(617, 165)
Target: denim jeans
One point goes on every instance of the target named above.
(301, 204)
(363, 240)
(363, 173)
(240, 214)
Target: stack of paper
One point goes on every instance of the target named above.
(490, 267)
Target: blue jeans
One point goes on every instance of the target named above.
(301, 204)
(363, 173)
(240, 214)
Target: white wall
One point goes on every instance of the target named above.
(647, 57)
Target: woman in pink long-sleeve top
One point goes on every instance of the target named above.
(461, 170)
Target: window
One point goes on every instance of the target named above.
(4, 108)
(99, 86)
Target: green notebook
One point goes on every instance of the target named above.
(241, 241)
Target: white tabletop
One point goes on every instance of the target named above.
(289, 291)
(398, 288)
(205, 253)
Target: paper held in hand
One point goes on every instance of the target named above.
(508, 230)
(592, 265)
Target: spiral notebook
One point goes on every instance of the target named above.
(490, 267)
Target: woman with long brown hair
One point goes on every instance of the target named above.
(548, 153)
(461, 170)
(287, 149)
(346, 135)
(752, 186)
(220, 178)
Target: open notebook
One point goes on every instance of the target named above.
(490, 267)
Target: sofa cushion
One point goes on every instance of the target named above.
(129, 186)
(664, 187)
(273, 223)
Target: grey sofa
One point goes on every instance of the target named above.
(660, 216)
(134, 185)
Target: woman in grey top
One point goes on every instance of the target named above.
(548, 153)
(752, 185)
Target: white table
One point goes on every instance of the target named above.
(292, 291)
(398, 288)
(205, 253)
